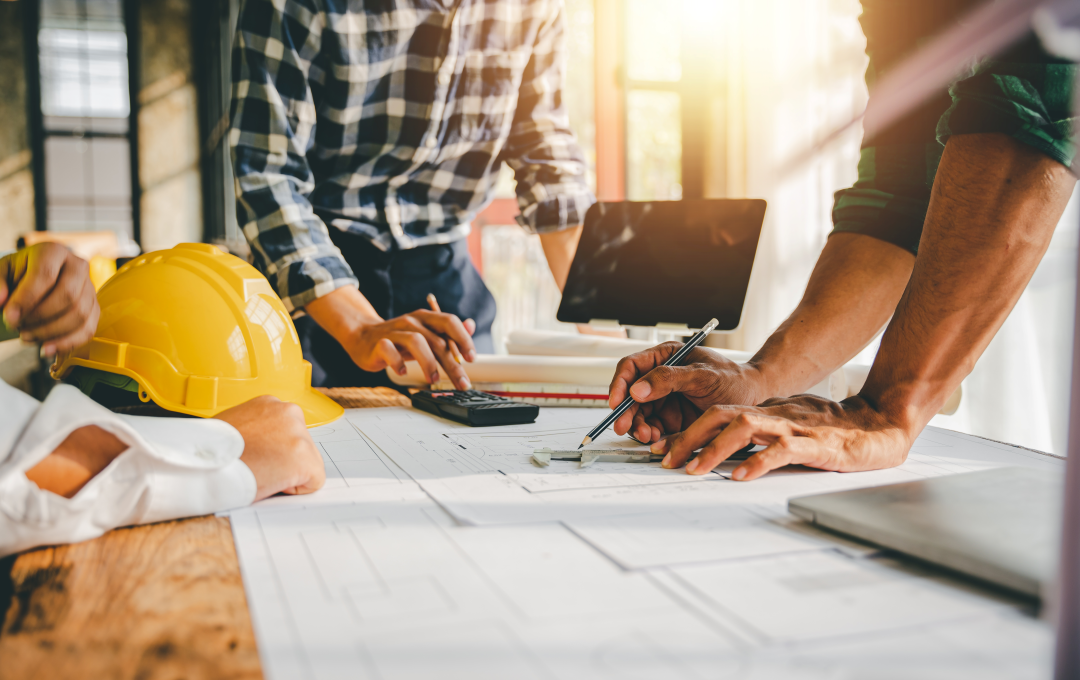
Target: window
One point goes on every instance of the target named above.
(84, 138)
(661, 70)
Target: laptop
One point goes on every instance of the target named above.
(649, 263)
(1001, 526)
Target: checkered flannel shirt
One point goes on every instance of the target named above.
(392, 122)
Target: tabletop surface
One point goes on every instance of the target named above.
(156, 601)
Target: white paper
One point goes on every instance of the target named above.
(350, 459)
(675, 537)
(485, 476)
(1005, 646)
(824, 595)
(663, 575)
(395, 590)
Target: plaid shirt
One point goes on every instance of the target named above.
(390, 119)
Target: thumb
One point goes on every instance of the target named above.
(663, 380)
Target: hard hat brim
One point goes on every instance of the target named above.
(318, 408)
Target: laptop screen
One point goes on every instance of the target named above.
(677, 262)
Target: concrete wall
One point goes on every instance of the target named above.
(16, 178)
(168, 127)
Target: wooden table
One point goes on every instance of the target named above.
(157, 601)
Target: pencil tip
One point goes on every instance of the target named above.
(585, 441)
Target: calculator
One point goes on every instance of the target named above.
(474, 408)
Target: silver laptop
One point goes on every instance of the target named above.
(1002, 526)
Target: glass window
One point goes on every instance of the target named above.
(88, 183)
(653, 41)
(579, 88)
(653, 146)
(83, 72)
(85, 106)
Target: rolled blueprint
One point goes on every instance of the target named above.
(563, 370)
(499, 368)
(557, 344)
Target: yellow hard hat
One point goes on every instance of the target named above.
(198, 331)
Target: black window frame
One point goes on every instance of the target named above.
(36, 120)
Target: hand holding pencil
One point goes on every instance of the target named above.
(674, 359)
(434, 304)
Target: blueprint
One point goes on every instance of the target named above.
(438, 550)
(485, 475)
(686, 536)
(390, 587)
(428, 447)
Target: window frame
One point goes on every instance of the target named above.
(696, 89)
(38, 134)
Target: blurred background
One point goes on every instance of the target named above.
(115, 115)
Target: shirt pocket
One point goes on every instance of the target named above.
(489, 93)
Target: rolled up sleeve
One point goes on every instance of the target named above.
(1026, 94)
(541, 149)
(171, 468)
(273, 123)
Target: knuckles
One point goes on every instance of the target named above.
(86, 306)
(716, 412)
(293, 411)
(663, 374)
(785, 444)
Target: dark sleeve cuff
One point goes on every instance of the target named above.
(1030, 102)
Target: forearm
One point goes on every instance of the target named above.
(79, 458)
(559, 248)
(852, 292)
(374, 344)
(993, 210)
(343, 312)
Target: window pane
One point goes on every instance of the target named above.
(652, 40)
(88, 184)
(653, 146)
(99, 12)
(579, 91)
(517, 273)
(84, 99)
(83, 72)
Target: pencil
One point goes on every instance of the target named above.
(454, 352)
(674, 360)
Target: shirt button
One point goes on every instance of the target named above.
(431, 142)
(444, 78)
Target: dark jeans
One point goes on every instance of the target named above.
(396, 283)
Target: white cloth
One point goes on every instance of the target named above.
(172, 468)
